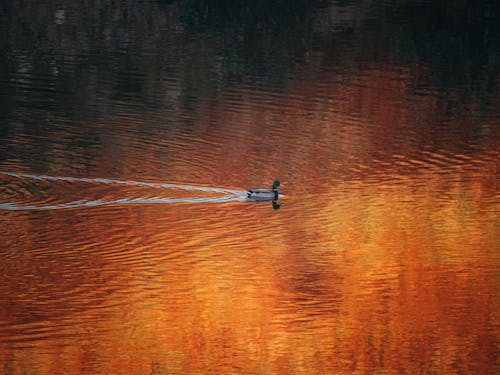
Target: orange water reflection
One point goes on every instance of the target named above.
(377, 261)
(393, 284)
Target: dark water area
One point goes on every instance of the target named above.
(131, 130)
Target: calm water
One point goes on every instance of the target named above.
(130, 131)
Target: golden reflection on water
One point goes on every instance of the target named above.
(383, 257)
(390, 277)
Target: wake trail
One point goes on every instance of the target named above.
(229, 195)
(122, 182)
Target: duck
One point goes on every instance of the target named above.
(264, 194)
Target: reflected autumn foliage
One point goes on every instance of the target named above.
(391, 284)
(383, 255)
(379, 260)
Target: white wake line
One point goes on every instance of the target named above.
(122, 182)
(229, 195)
(94, 203)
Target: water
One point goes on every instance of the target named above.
(131, 130)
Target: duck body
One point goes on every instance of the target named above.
(264, 194)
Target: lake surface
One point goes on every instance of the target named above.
(130, 131)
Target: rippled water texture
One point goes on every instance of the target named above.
(130, 131)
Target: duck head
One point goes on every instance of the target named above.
(276, 183)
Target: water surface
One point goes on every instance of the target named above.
(131, 131)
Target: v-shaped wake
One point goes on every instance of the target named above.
(227, 195)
